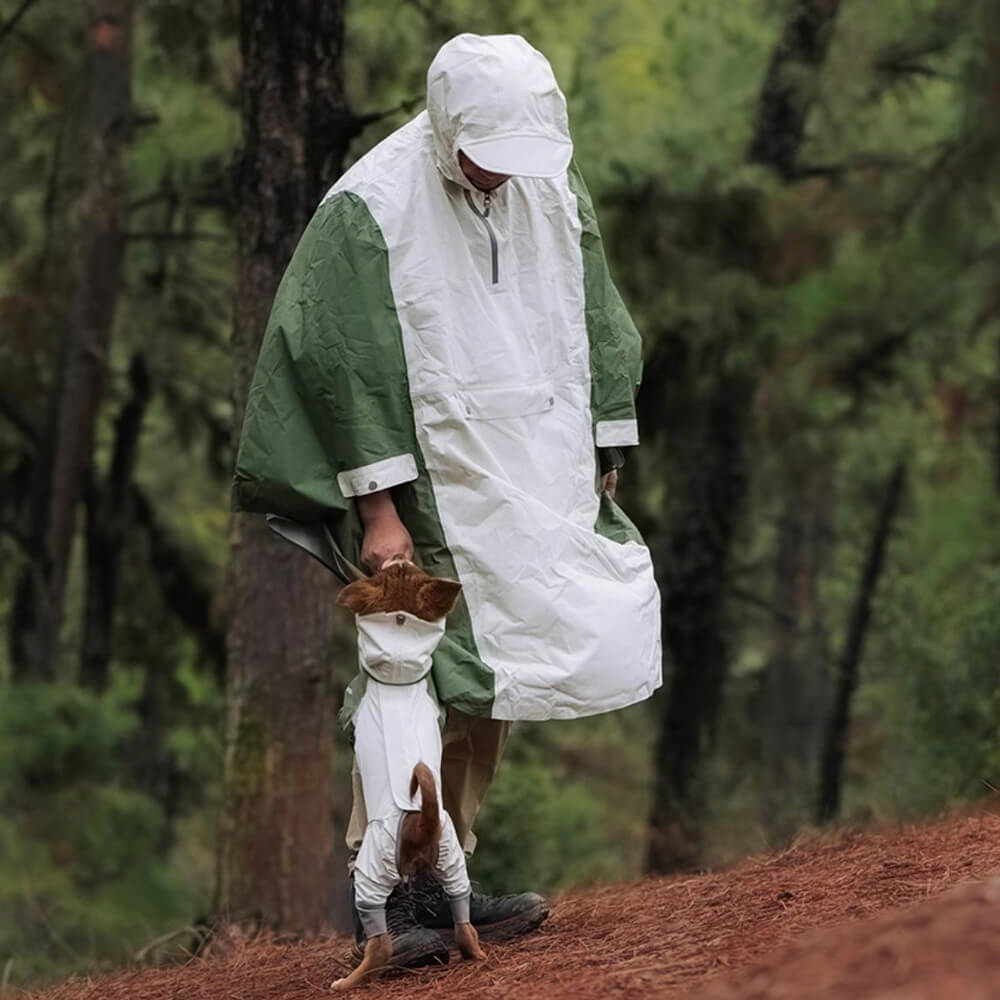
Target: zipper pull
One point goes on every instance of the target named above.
(487, 200)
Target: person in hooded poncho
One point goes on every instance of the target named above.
(449, 371)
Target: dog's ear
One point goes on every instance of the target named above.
(359, 596)
(436, 598)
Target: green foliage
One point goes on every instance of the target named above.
(954, 682)
(57, 734)
(82, 872)
(936, 681)
(540, 833)
(568, 806)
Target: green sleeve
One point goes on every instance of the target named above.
(615, 344)
(328, 415)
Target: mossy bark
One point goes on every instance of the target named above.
(276, 857)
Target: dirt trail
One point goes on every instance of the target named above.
(719, 936)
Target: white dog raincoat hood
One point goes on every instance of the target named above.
(496, 98)
(469, 351)
(396, 647)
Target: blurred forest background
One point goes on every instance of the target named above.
(801, 205)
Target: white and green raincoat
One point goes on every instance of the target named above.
(471, 353)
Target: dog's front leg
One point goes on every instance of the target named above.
(467, 940)
(378, 952)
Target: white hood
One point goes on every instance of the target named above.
(496, 98)
(396, 647)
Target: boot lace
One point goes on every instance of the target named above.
(400, 917)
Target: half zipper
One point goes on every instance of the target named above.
(485, 216)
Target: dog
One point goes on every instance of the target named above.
(400, 614)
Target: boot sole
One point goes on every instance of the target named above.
(503, 930)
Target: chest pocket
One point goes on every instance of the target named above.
(507, 402)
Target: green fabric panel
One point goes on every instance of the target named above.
(613, 522)
(615, 350)
(331, 393)
(615, 344)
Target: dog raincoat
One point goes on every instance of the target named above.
(395, 728)
(470, 352)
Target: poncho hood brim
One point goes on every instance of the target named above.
(496, 98)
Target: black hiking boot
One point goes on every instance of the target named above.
(412, 944)
(496, 918)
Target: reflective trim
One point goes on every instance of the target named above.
(372, 920)
(377, 476)
(617, 433)
(460, 908)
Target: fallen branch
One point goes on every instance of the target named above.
(140, 955)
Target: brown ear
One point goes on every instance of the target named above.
(359, 596)
(436, 598)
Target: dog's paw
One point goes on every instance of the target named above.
(347, 983)
(468, 942)
(339, 985)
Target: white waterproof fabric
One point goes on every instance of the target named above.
(519, 128)
(489, 291)
(396, 727)
(396, 647)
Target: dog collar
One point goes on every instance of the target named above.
(395, 647)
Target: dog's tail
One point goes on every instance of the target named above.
(429, 824)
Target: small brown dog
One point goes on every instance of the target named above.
(401, 613)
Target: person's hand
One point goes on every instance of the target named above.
(385, 537)
(609, 483)
(385, 534)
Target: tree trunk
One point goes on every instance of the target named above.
(835, 738)
(991, 39)
(996, 423)
(182, 581)
(109, 514)
(277, 843)
(790, 86)
(100, 245)
(703, 528)
(794, 683)
(695, 584)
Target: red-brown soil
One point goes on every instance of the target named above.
(739, 933)
(935, 950)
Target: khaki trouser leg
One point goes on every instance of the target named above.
(471, 750)
(470, 754)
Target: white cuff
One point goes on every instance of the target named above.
(377, 476)
(460, 908)
(617, 433)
